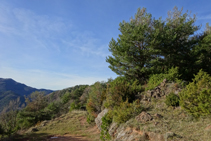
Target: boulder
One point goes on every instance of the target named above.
(112, 129)
(44, 123)
(98, 119)
(33, 129)
(143, 117)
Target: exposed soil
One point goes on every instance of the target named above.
(66, 138)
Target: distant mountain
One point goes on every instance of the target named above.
(10, 90)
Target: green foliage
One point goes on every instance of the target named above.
(74, 106)
(106, 121)
(131, 52)
(172, 100)
(90, 118)
(203, 52)
(126, 110)
(34, 111)
(156, 79)
(1, 130)
(121, 90)
(96, 98)
(149, 46)
(66, 97)
(74, 94)
(8, 123)
(196, 97)
(53, 109)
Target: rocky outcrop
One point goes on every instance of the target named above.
(129, 134)
(143, 117)
(98, 119)
(161, 91)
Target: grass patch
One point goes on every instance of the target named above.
(175, 120)
(73, 123)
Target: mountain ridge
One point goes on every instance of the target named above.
(11, 90)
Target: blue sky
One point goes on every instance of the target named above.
(55, 44)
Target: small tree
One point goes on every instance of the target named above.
(96, 97)
(196, 97)
(8, 123)
(34, 111)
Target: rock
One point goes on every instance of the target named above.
(113, 129)
(127, 134)
(44, 123)
(33, 129)
(98, 119)
(163, 83)
(143, 117)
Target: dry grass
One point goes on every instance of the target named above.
(71, 124)
(175, 120)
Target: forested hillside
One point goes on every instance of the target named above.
(12, 92)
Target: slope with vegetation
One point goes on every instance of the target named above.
(12, 94)
(163, 91)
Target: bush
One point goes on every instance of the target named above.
(8, 124)
(172, 100)
(66, 97)
(196, 97)
(1, 130)
(120, 90)
(34, 111)
(96, 98)
(106, 121)
(74, 106)
(126, 111)
(156, 79)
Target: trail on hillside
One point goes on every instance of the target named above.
(66, 138)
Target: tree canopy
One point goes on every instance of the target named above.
(148, 46)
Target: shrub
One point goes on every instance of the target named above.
(126, 110)
(156, 79)
(1, 130)
(106, 121)
(172, 100)
(96, 97)
(90, 119)
(8, 124)
(84, 97)
(120, 90)
(74, 106)
(196, 97)
(66, 97)
(34, 111)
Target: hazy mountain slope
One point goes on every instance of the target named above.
(11, 90)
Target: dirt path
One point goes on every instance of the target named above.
(66, 138)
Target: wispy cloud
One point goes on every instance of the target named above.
(87, 45)
(47, 51)
(206, 17)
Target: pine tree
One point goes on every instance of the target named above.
(196, 97)
(132, 52)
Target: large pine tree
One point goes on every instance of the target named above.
(148, 46)
(131, 52)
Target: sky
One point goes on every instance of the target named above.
(56, 44)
